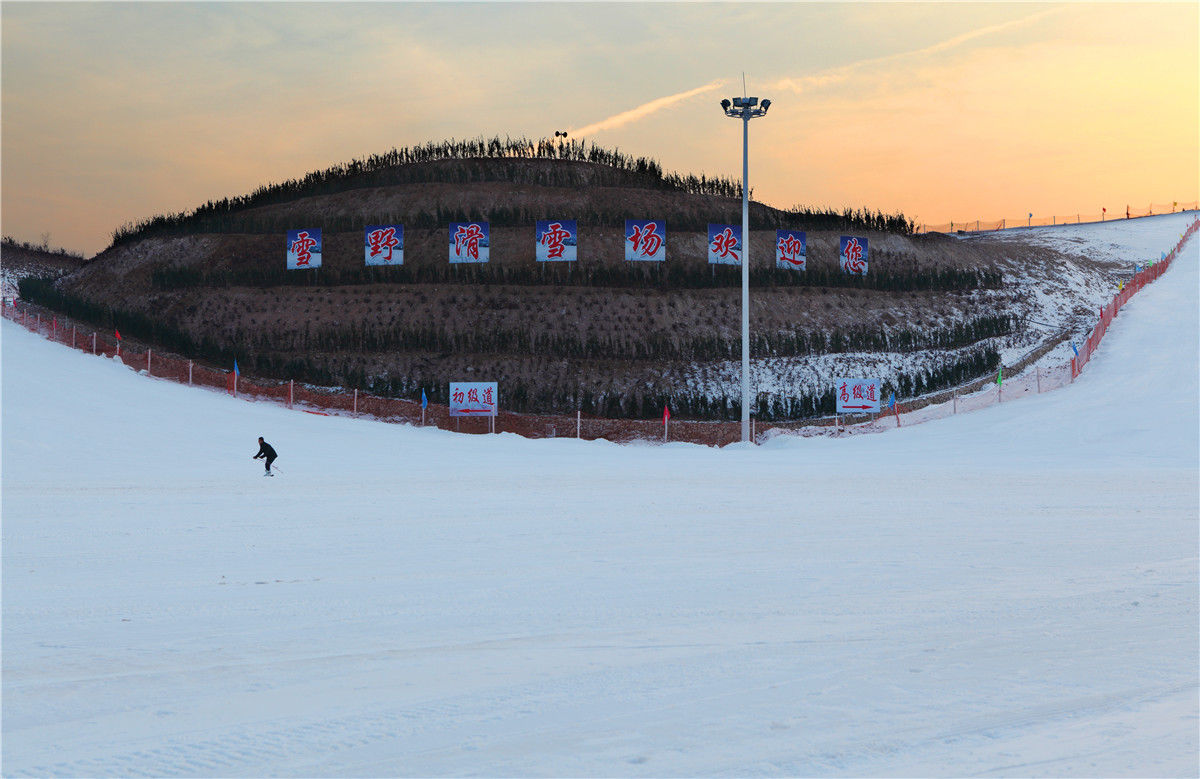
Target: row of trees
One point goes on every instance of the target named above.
(8, 242)
(520, 396)
(661, 346)
(266, 360)
(481, 160)
(892, 276)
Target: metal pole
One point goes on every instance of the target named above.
(746, 276)
(189, 372)
(148, 353)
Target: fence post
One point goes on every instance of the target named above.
(578, 424)
(1039, 379)
(148, 353)
(72, 336)
(189, 372)
(355, 402)
(291, 390)
(955, 402)
(93, 342)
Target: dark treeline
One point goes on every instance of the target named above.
(516, 395)
(8, 242)
(521, 397)
(482, 160)
(355, 337)
(896, 277)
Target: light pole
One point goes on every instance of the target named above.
(745, 108)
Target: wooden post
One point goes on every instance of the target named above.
(291, 391)
(1039, 379)
(72, 336)
(189, 372)
(578, 424)
(93, 342)
(356, 402)
(148, 353)
(956, 402)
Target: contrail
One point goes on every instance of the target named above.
(644, 110)
(835, 75)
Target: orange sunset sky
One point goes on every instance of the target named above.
(113, 112)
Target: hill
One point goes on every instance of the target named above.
(605, 337)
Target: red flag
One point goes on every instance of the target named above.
(118, 332)
(666, 414)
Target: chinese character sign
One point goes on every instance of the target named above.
(469, 242)
(557, 240)
(856, 396)
(303, 249)
(473, 399)
(791, 249)
(384, 245)
(853, 255)
(645, 240)
(724, 244)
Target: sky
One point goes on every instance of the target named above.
(114, 112)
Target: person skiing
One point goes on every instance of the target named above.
(266, 450)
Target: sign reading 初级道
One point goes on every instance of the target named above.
(473, 399)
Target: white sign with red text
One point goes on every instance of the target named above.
(857, 396)
(473, 399)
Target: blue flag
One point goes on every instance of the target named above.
(235, 368)
(892, 401)
(424, 400)
(1074, 350)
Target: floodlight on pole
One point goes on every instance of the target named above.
(745, 108)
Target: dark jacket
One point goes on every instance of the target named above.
(266, 451)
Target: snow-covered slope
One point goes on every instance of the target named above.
(1011, 591)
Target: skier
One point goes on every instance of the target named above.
(265, 450)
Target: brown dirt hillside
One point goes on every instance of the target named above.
(551, 340)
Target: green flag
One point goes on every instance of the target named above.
(1000, 377)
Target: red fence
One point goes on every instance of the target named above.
(317, 400)
(988, 225)
(1131, 288)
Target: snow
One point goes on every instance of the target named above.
(1008, 592)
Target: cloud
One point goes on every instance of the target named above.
(644, 110)
(844, 72)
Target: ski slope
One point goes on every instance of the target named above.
(1011, 592)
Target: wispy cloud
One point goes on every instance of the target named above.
(644, 110)
(842, 73)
